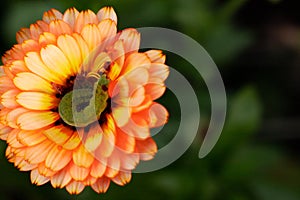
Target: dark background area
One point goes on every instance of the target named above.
(256, 46)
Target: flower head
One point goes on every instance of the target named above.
(77, 100)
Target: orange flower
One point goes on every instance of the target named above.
(77, 100)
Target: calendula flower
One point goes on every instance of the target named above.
(77, 100)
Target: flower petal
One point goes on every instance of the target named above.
(84, 18)
(8, 99)
(75, 187)
(98, 168)
(131, 39)
(122, 178)
(35, 64)
(101, 185)
(55, 59)
(58, 158)
(107, 28)
(28, 81)
(59, 27)
(38, 153)
(37, 178)
(23, 34)
(91, 35)
(78, 173)
(70, 16)
(37, 100)
(61, 179)
(51, 15)
(58, 134)
(82, 158)
(30, 138)
(71, 50)
(35, 120)
(146, 148)
(156, 56)
(107, 13)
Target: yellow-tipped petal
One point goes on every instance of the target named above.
(59, 27)
(28, 81)
(37, 178)
(136, 60)
(8, 99)
(70, 16)
(98, 168)
(58, 134)
(35, 64)
(55, 59)
(37, 100)
(13, 115)
(124, 141)
(44, 170)
(75, 187)
(18, 66)
(156, 56)
(58, 158)
(30, 138)
(51, 15)
(122, 178)
(121, 115)
(146, 148)
(61, 178)
(71, 50)
(84, 18)
(35, 120)
(82, 158)
(47, 38)
(91, 35)
(101, 185)
(38, 153)
(108, 29)
(78, 173)
(107, 13)
(93, 138)
(22, 35)
(72, 142)
(113, 166)
(131, 39)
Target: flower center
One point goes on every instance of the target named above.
(85, 103)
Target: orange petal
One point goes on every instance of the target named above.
(71, 50)
(47, 38)
(131, 39)
(158, 70)
(121, 115)
(107, 13)
(101, 185)
(155, 90)
(73, 142)
(18, 66)
(135, 60)
(122, 178)
(35, 120)
(146, 148)
(35, 64)
(61, 178)
(8, 99)
(5, 84)
(58, 158)
(58, 134)
(55, 60)
(108, 29)
(84, 18)
(113, 166)
(44, 170)
(12, 139)
(51, 15)
(30, 138)
(78, 173)
(156, 56)
(70, 16)
(137, 96)
(75, 187)
(23, 165)
(93, 138)
(124, 141)
(39, 152)
(37, 178)
(137, 127)
(91, 35)
(98, 168)
(23, 34)
(4, 130)
(59, 27)
(12, 116)
(37, 100)
(28, 81)
(107, 145)
(38, 28)
(129, 162)
(82, 158)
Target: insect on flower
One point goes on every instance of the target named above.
(78, 100)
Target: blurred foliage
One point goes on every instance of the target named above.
(240, 167)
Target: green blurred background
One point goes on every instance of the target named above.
(256, 45)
